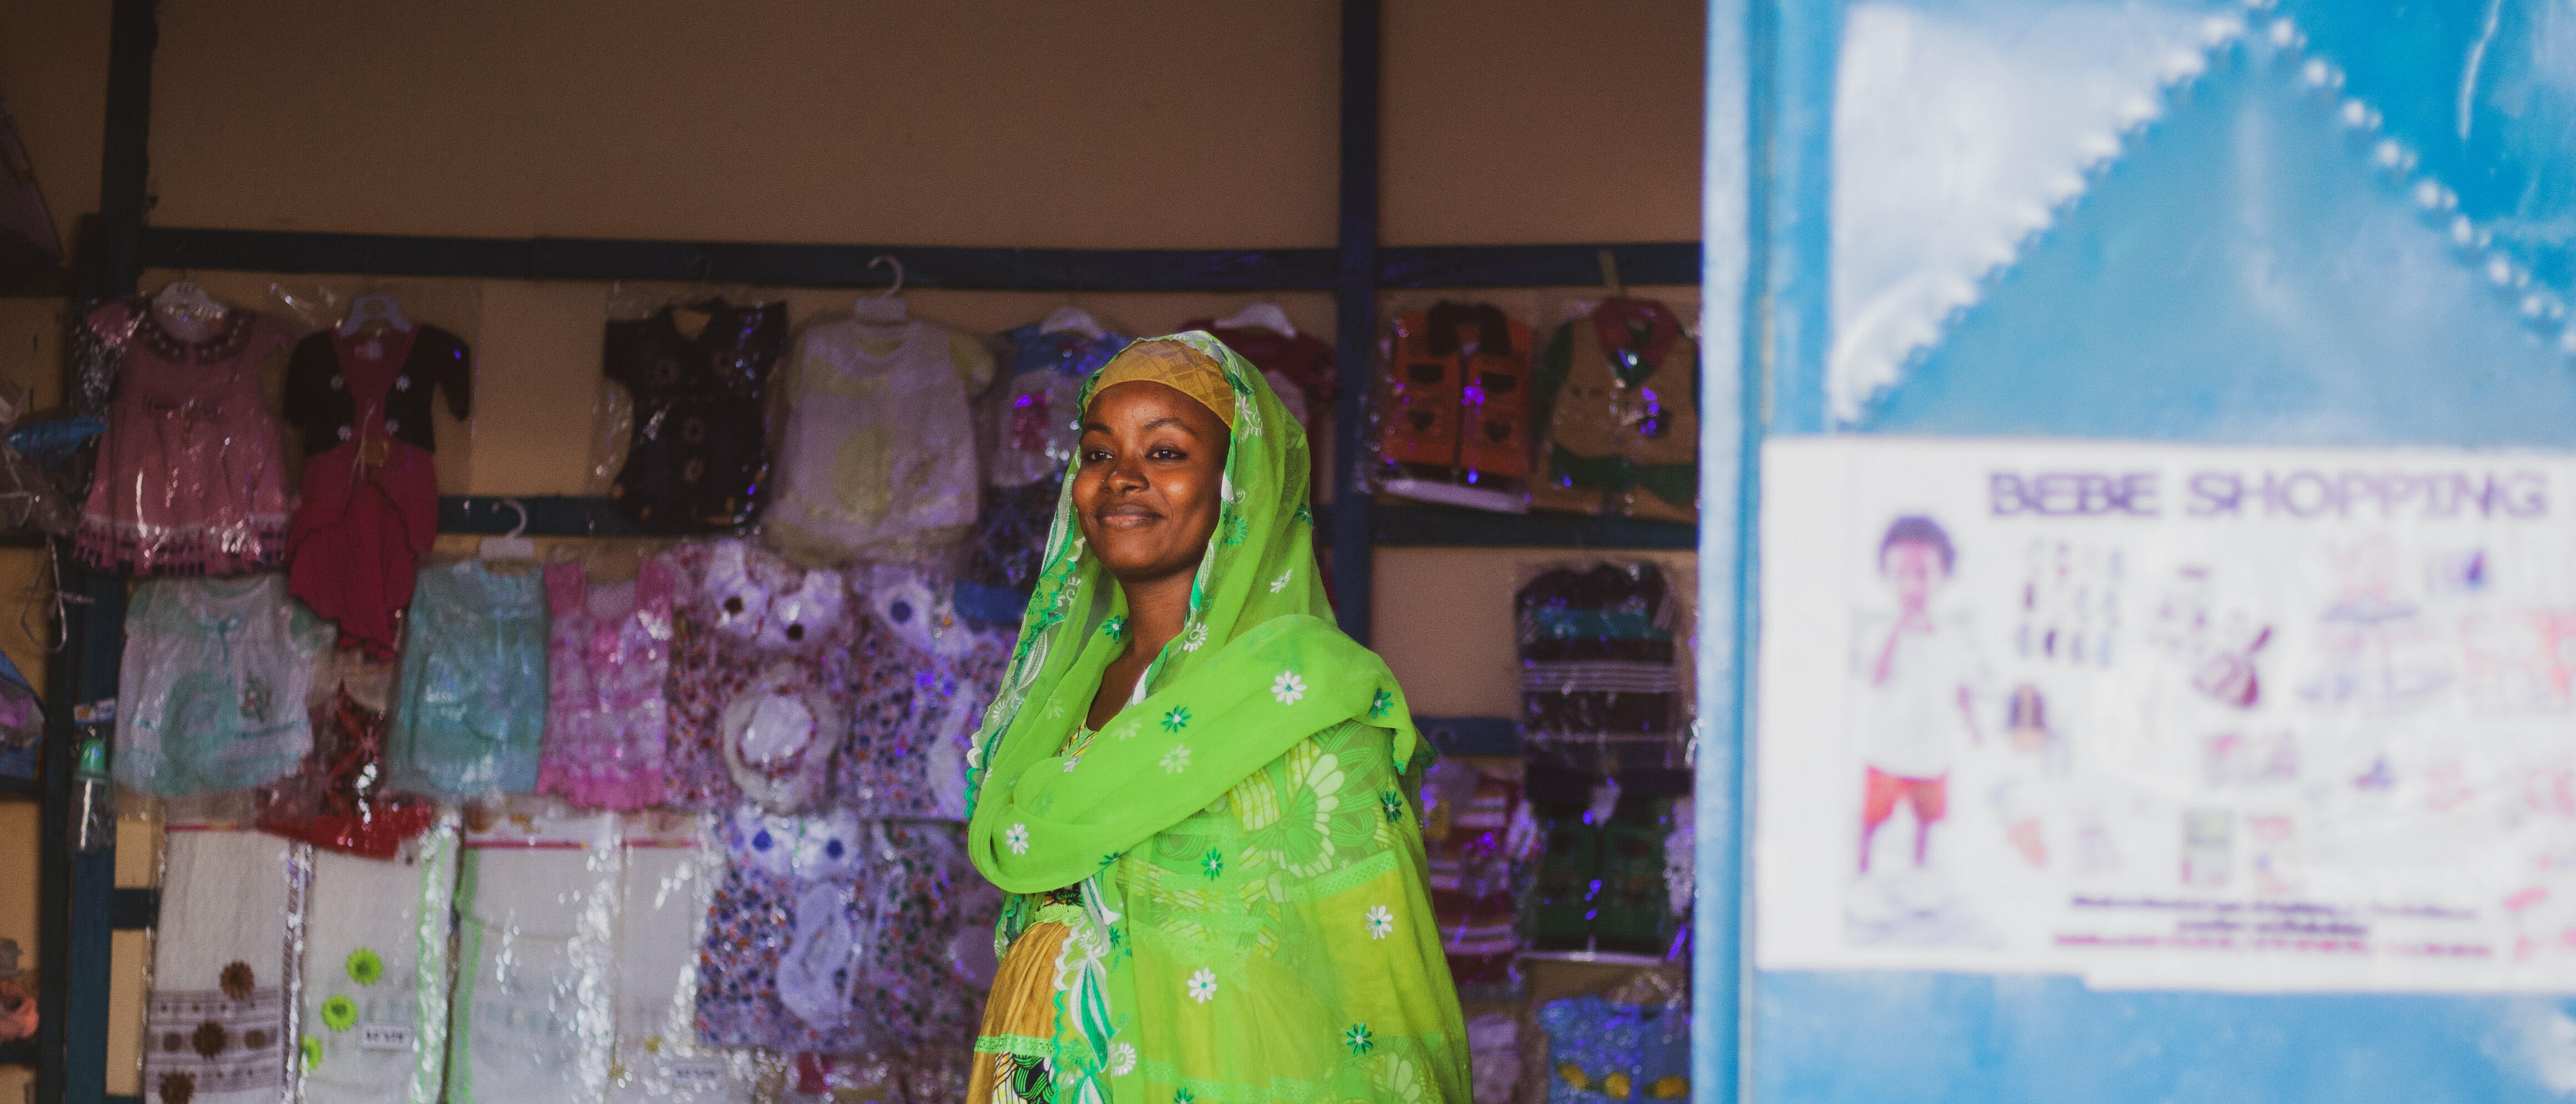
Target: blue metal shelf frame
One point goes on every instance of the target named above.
(80, 904)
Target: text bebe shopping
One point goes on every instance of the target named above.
(2294, 493)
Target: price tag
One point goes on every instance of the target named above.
(384, 1037)
(697, 1074)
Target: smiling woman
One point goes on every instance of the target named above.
(1192, 783)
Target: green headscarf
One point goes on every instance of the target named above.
(1258, 671)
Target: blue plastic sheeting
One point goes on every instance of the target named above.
(1942, 1038)
(2347, 222)
(2244, 275)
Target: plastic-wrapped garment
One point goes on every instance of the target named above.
(878, 462)
(1599, 1052)
(920, 981)
(838, 935)
(22, 723)
(1010, 540)
(375, 974)
(1477, 832)
(339, 799)
(700, 452)
(1454, 420)
(1601, 883)
(1617, 399)
(1597, 661)
(786, 934)
(1033, 413)
(532, 1016)
(191, 479)
(214, 684)
(216, 1023)
(473, 708)
(915, 700)
(1029, 441)
(669, 881)
(610, 654)
(761, 660)
(1494, 1056)
(369, 507)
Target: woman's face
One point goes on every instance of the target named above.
(1146, 492)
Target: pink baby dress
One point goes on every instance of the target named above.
(191, 477)
(608, 654)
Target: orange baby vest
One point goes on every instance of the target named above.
(1456, 425)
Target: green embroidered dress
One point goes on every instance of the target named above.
(1220, 896)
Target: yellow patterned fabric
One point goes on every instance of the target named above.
(1173, 365)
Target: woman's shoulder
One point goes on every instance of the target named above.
(1307, 632)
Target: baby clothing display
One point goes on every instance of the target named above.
(216, 1021)
(609, 655)
(921, 683)
(374, 1027)
(784, 933)
(878, 460)
(369, 507)
(669, 879)
(1616, 399)
(1029, 443)
(532, 1015)
(1597, 661)
(1477, 833)
(1455, 425)
(213, 685)
(1600, 1051)
(761, 663)
(191, 479)
(699, 453)
(473, 687)
(339, 800)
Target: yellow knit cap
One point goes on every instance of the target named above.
(1173, 365)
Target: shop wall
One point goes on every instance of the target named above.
(1132, 124)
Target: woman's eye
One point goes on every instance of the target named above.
(1167, 454)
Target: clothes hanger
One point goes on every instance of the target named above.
(1259, 316)
(1072, 319)
(184, 300)
(375, 306)
(885, 309)
(1610, 274)
(514, 546)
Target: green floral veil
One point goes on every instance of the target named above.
(1188, 891)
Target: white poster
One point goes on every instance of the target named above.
(2168, 716)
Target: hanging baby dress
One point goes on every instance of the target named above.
(190, 478)
(213, 685)
(1456, 403)
(920, 687)
(761, 661)
(699, 455)
(609, 655)
(472, 707)
(878, 461)
(1029, 441)
(1617, 397)
(370, 499)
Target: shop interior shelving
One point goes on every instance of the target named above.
(81, 906)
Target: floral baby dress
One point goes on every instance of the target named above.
(191, 479)
(214, 682)
(610, 653)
